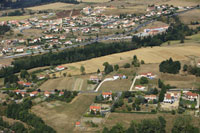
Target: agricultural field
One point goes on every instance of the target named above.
(93, 1)
(149, 55)
(53, 6)
(75, 83)
(190, 16)
(125, 119)
(7, 18)
(62, 116)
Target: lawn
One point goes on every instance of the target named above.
(62, 116)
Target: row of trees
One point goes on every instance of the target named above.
(182, 124)
(170, 66)
(28, 3)
(21, 112)
(145, 126)
(192, 70)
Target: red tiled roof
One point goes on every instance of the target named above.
(191, 94)
(153, 96)
(60, 67)
(46, 92)
(61, 93)
(78, 123)
(95, 107)
(139, 86)
(34, 92)
(168, 96)
(107, 93)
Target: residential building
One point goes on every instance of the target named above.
(95, 108)
(107, 95)
(34, 93)
(150, 97)
(139, 87)
(60, 68)
(191, 96)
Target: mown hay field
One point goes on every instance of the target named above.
(62, 116)
(7, 18)
(149, 55)
(53, 6)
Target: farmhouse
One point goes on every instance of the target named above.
(139, 87)
(107, 94)
(191, 96)
(60, 68)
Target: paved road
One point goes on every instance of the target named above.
(133, 83)
(105, 80)
(100, 38)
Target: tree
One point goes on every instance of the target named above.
(142, 62)
(144, 80)
(116, 67)
(127, 65)
(185, 67)
(183, 124)
(82, 69)
(23, 74)
(98, 71)
(107, 68)
(64, 74)
(170, 66)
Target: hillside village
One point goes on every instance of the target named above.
(134, 85)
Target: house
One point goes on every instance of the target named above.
(60, 68)
(23, 93)
(34, 93)
(19, 50)
(95, 108)
(191, 96)
(107, 94)
(94, 78)
(150, 97)
(198, 64)
(171, 97)
(47, 94)
(148, 75)
(17, 91)
(168, 98)
(139, 87)
(61, 93)
(78, 124)
(41, 77)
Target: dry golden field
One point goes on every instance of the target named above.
(149, 55)
(62, 116)
(190, 16)
(53, 6)
(76, 83)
